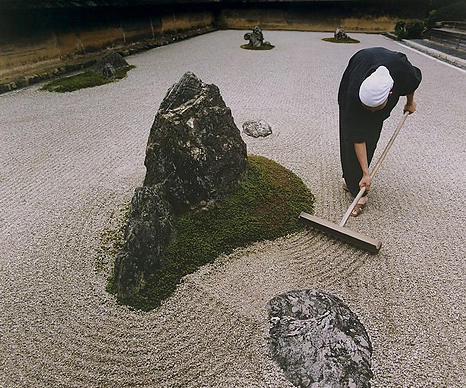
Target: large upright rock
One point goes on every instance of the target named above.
(319, 341)
(195, 155)
(194, 149)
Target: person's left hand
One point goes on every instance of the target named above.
(410, 107)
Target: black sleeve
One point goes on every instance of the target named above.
(406, 76)
(354, 122)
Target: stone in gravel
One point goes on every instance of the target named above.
(256, 37)
(318, 341)
(109, 57)
(109, 71)
(195, 156)
(194, 149)
(257, 128)
(147, 234)
(340, 34)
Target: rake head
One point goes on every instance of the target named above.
(349, 236)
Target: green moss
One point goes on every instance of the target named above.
(346, 40)
(265, 206)
(111, 238)
(87, 79)
(263, 47)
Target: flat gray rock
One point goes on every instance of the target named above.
(257, 128)
(318, 341)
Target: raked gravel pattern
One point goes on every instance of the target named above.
(70, 161)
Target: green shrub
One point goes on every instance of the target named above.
(409, 30)
(400, 29)
(345, 40)
(86, 79)
(447, 10)
(265, 206)
(263, 47)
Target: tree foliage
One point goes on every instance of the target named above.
(446, 10)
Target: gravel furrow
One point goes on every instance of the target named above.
(69, 161)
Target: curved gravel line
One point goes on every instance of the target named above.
(68, 161)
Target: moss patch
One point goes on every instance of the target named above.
(265, 206)
(346, 40)
(87, 79)
(111, 239)
(263, 47)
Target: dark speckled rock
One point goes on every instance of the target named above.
(147, 234)
(318, 341)
(112, 58)
(195, 156)
(194, 149)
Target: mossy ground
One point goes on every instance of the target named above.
(263, 47)
(111, 239)
(265, 206)
(87, 79)
(346, 40)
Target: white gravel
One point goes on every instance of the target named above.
(68, 160)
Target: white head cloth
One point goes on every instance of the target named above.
(375, 89)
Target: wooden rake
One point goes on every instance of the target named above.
(340, 231)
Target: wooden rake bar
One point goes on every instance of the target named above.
(340, 231)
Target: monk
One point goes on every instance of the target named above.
(370, 88)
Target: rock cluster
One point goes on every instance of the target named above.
(319, 341)
(195, 156)
(340, 34)
(256, 38)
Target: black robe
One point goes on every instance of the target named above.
(359, 125)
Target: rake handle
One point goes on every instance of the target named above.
(375, 169)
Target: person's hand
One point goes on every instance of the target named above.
(410, 107)
(365, 181)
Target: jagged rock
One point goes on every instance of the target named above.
(195, 156)
(147, 234)
(109, 57)
(257, 128)
(340, 34)
(318, 341)
(194, 149)
(256, 37)
(109, 70)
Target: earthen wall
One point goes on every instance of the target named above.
(49, 37)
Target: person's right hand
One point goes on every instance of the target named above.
(410, 107)
(365, 181)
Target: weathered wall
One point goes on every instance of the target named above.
(362, 16)
(40, 37)
(54, 36)
(296, 20)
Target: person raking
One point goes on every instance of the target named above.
(370, 88)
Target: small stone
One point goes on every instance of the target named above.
(340, 34)
(108, 70)
(257, 128)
